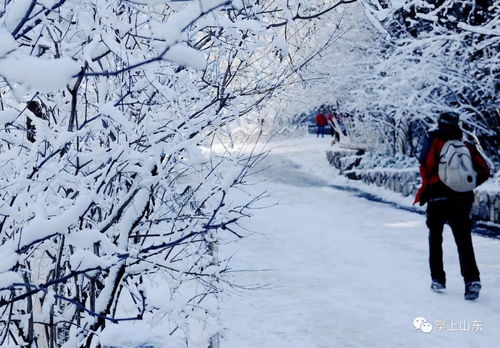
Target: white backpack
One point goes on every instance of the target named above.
(455, 167)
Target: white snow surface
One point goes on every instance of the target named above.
(8, 42)
(187, 56)
(8, 116)
(40, 74)
(336, 270)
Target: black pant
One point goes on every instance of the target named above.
(321, 129)
(457, 214)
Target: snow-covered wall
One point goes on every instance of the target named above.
(406, 181)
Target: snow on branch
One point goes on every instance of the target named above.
(111, 208)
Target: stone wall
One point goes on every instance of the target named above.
(406, 181)
(486, 206)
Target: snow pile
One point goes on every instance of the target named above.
(39, 74)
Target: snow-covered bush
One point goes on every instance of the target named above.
(371, 160)
(111, 209)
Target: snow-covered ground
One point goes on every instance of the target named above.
(336, 270)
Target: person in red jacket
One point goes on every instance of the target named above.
(445, 205)
(321, 123)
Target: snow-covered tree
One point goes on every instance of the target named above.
(112, 202)
(439, 55)
(401, 63)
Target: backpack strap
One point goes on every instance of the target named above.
(429, 167)
(479, 163)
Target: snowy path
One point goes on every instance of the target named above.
(346, 272)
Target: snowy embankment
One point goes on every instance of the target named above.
(335, 270)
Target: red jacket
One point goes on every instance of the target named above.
(429, 164)
(320, 119)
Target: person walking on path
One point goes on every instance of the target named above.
(321, 123)
(450, 169)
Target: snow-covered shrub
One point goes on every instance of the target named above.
(371, 160)
(111, 206)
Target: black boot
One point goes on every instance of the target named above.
(438, 286)
(472, 290)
